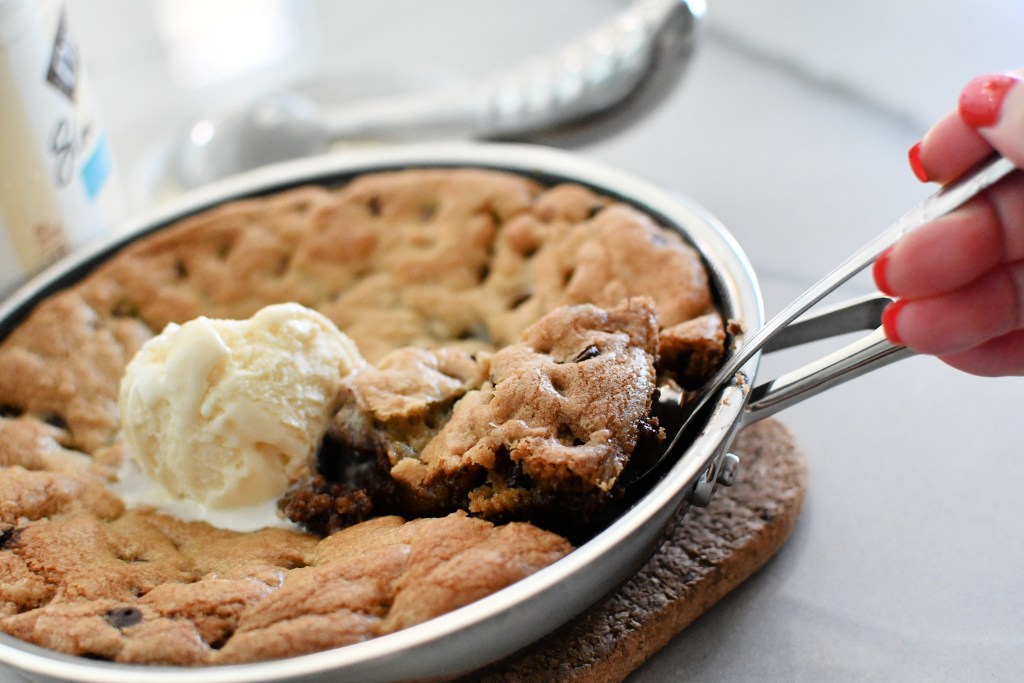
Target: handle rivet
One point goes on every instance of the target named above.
(728, 470)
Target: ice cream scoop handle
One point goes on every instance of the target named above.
(646, 44)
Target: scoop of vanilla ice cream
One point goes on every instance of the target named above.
(228, 412)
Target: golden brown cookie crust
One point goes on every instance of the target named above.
(409, 258)
(152, 589)
(557, 416)
(423, 258)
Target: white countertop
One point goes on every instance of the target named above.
(792, 128)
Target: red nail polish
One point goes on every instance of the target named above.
(878, 271)
(915, 163)
(889, 316)
(982, 99)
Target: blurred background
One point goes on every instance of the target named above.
(159, 64)
(791, 125)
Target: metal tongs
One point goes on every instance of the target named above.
(868, 353)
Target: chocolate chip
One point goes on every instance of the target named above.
(474, 333)
(648, 433)
(586, 354)
(124, 309)
(10, 411)
(427, 212)
(510, 472)
(373, 206)
(123, 617)
(516, 477)
(520, 300)
(9, 537)
(283, 264)
(325, 507)
(493, 215)
(180, 270)
(55, 420)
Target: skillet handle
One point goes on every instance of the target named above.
(862, 356)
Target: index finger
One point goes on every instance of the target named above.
(948, 149)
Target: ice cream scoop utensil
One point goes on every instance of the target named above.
(602, 81)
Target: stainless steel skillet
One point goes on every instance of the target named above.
(512, 618)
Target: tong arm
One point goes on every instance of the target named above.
(948, 198)
(858, 358)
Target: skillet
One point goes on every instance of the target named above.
(500, 624)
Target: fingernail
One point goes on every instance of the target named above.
(878, 271)
(982, 99)
(889, 316)
(915, 163)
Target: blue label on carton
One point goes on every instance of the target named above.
(96, 170)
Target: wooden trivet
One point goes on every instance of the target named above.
(710, 552)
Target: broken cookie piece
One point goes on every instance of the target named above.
(693, 350)
(546, 424)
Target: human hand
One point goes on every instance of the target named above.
(959, 281)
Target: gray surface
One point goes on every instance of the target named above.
(791, 128)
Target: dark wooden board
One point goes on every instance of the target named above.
(707, 554)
